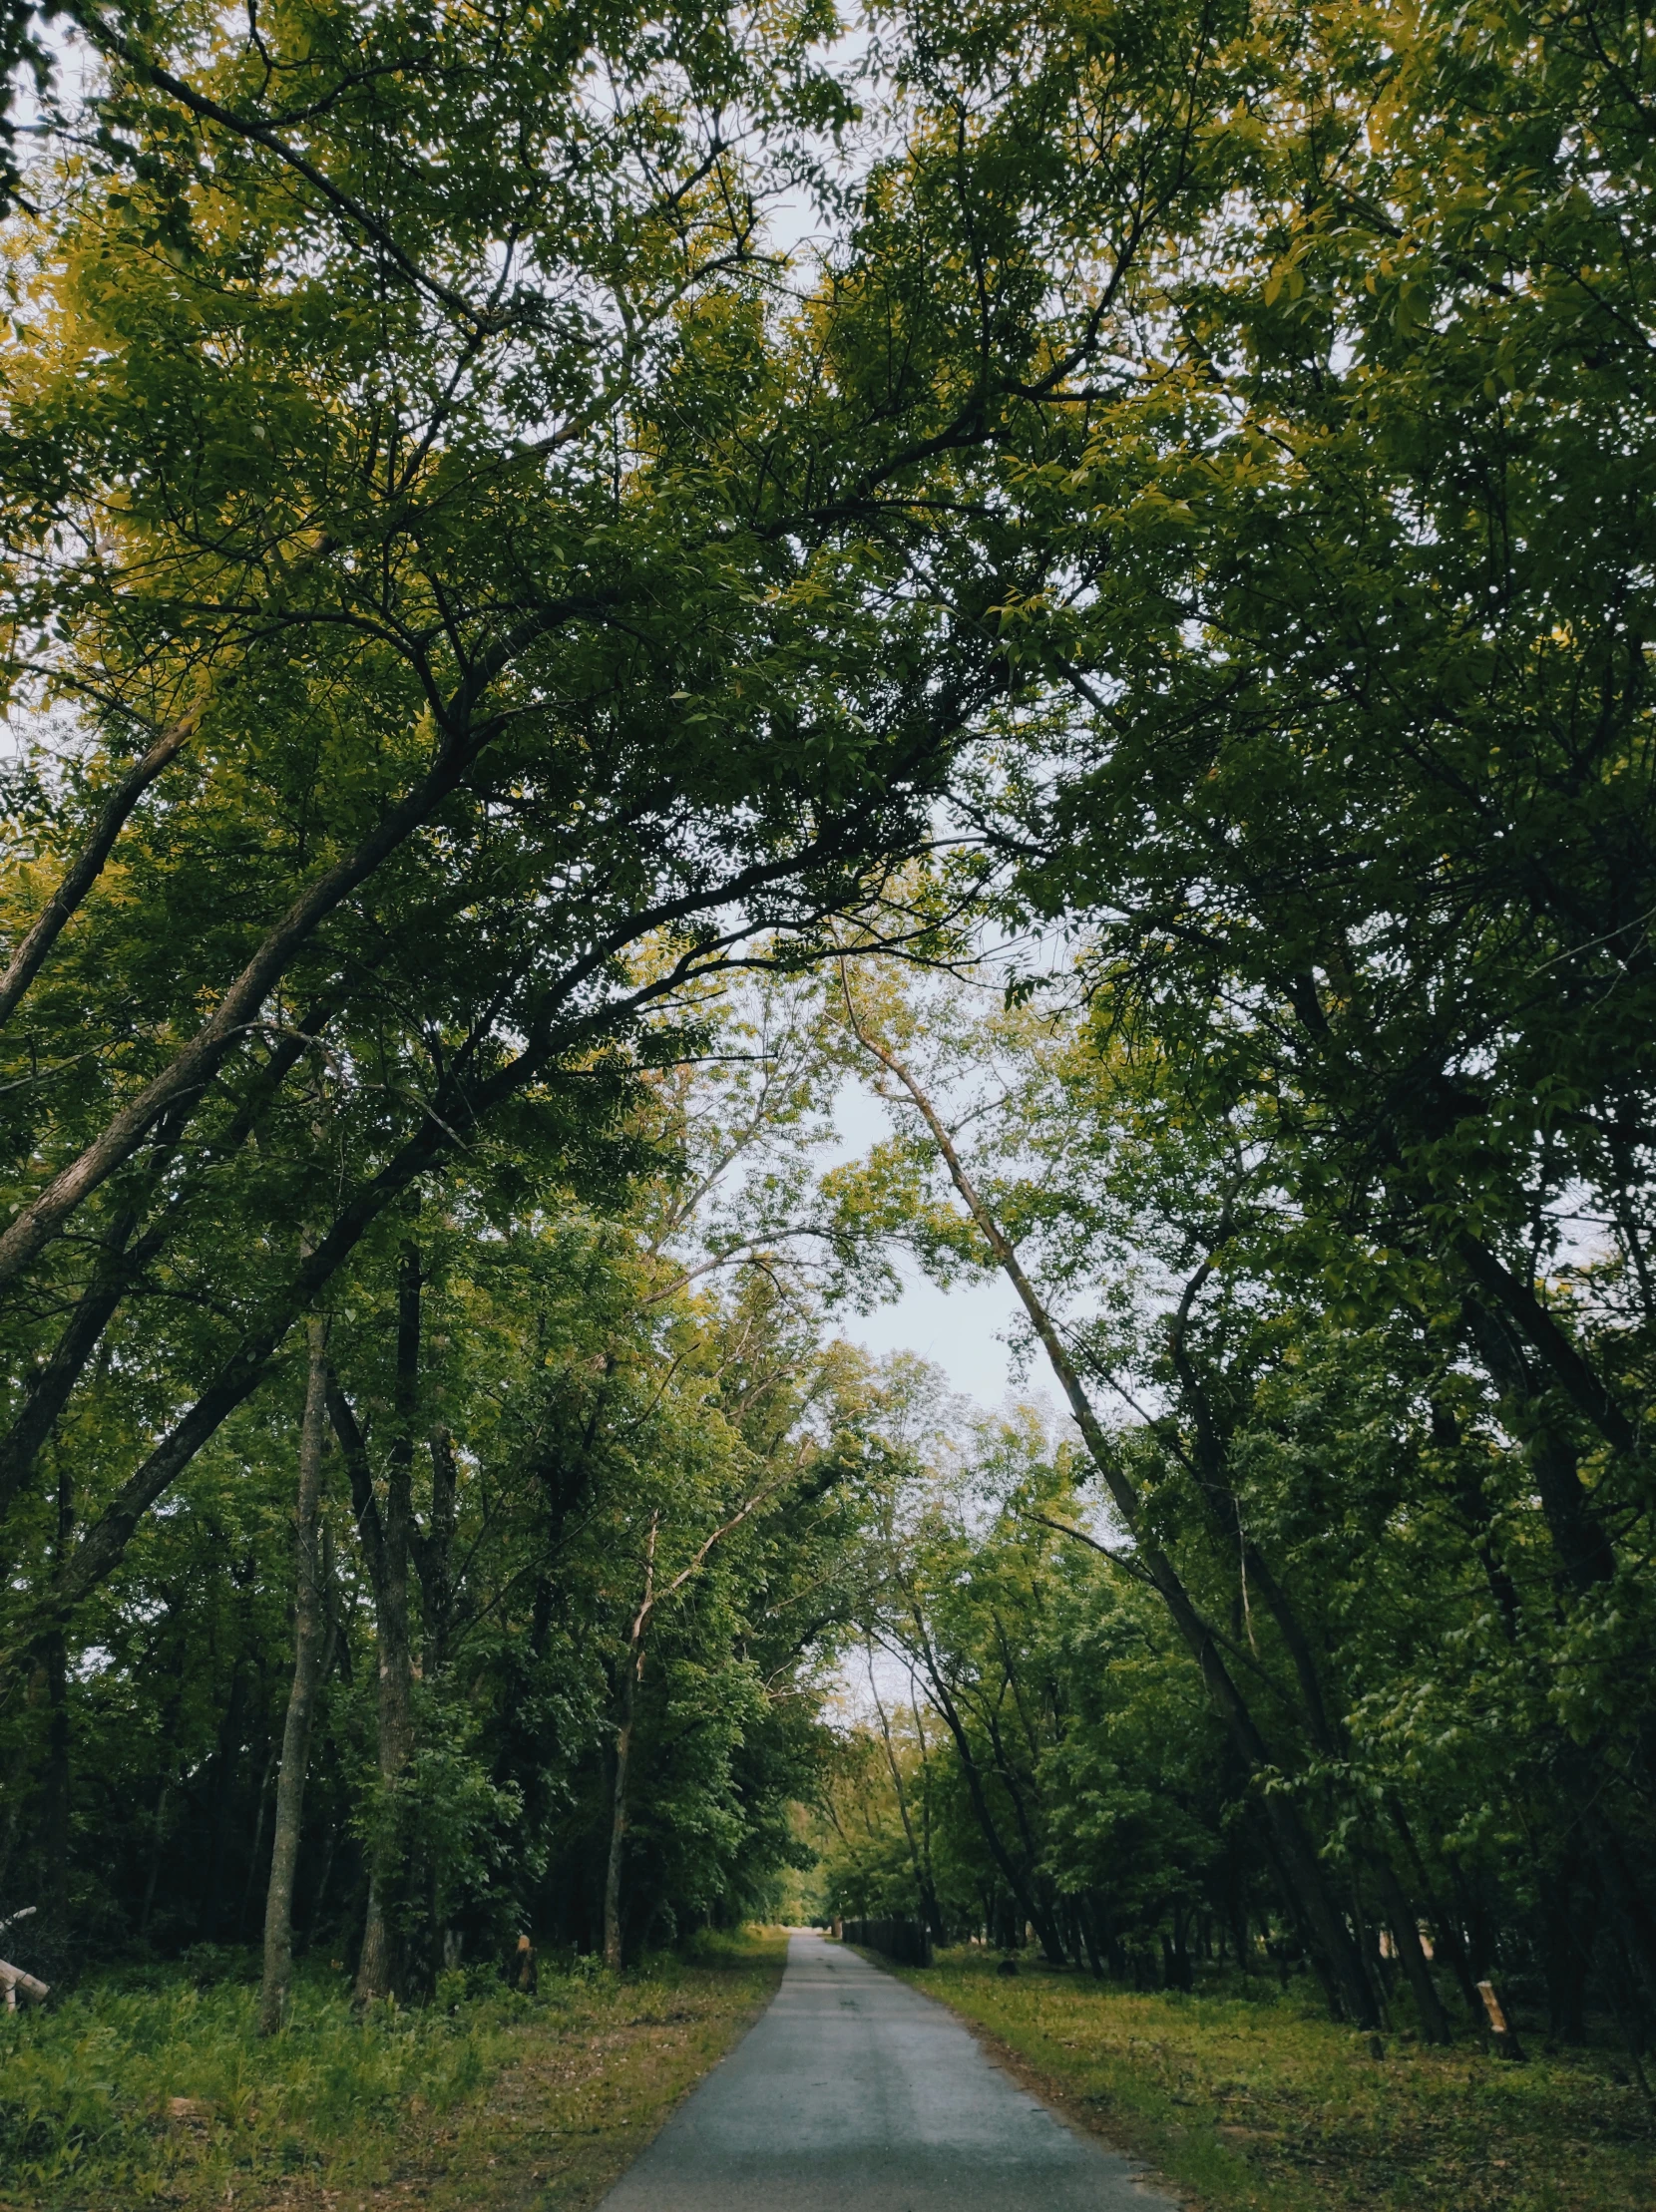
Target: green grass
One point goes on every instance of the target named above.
(1256, 2106)
(165, 2095)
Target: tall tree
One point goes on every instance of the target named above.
(310, 1633)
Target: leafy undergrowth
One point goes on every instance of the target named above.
(165, 2095)
(1255, 2105)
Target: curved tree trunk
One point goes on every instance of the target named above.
(308, 1632)
(376, 1972)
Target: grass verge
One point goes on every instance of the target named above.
(165, 2095)
(1253, 2106)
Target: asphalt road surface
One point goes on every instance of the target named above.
(854, 2094)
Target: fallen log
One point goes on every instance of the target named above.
(13, 1978)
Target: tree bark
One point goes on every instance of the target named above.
(48, 1387)
(376, 1974)
(623, 1759)
(1571, 1370)
(55, 1821)
(309, 1629)
(1585, 1559)
(1225, 1512)
(376, 1965)
(192, 1070)
(385, 1554)
(223, 1770)
(434, 1563)
(434, 1554)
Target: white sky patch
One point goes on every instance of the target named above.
(962, 1329)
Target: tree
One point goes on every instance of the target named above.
(1314, 1480)
(309, 1665)
(529, 1391)
(1338, 771)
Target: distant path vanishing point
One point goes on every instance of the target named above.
(854, 2094)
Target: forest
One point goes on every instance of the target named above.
(582, 587)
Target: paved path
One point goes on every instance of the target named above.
(854, 2094)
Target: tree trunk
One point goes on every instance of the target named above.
(157, 1841)
(48, 1388)
(262, 1803)
(624, 1760)
(1582, 1549)
(1330, 1739)
(617, 1828)
(1447, 1941)
(376, 1973)
(385, 1553)
(87, 863)
(1405, 1937)
(221, 1778)
(434, 1554)
(376, 1967)
(308, 1632)
(54, 1823)
(434, 1560)
(55, 1655)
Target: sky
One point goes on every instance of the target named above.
(961, 1330)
